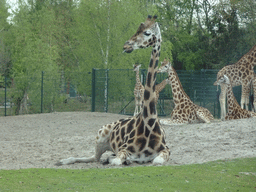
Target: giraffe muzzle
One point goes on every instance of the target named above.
(128, 48)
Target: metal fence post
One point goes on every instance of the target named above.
(42, 91)
(5, 92)
(93, 89)
(106, 92)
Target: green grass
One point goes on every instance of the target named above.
(231, 175)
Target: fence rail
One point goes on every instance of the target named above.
(101, 90)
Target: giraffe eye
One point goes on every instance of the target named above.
(147, 33)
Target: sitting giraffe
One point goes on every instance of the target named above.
(160, 87)
(138, 138)
(138, 90)
(235, 111)
(240, 73)
(185, 111)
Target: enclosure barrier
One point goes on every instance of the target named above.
(101, 90)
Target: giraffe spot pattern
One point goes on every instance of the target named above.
(146, 95)
(145, 112)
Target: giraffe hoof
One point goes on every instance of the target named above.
(70, 160)
(116, 161)
(158, 160)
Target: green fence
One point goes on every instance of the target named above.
(100, 90)
(113, 91)
(45, 92)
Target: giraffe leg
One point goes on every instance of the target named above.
(247, 101)
(172, 122)
(136, 107)
(254, 104)
(120, 158)
(254, 94)
(201, 116)
(141, 104)
(245, 96)
(163, 157)
(222, 100)
(135, 111)
(102, 145)
(100, 148)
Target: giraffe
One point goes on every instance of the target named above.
(138, 138)
(138, 90)
(160, 87)
(254, 93)
(235, 111)
(185, 111)
(240, 73)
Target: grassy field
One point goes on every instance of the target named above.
(230, 175)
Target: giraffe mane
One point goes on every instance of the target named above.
(247, 54)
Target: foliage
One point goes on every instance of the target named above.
(4, 48)
(63, 36)
(208, 34)
(229, 175)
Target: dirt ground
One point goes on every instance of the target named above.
(40, 140)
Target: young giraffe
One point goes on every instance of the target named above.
(240, 73)
(235, 111)
(139, 138)
(185, 111)
(138, 90)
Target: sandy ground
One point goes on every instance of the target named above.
(40, 140)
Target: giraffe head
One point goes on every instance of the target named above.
(136, 67)
(220, 75)
(165, 66)
(223, 80)
(147, 35)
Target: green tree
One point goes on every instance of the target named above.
(4, 48)
(34, 49)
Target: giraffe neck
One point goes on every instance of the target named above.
(149, 105)
(161, 86)
(231, 100)
(178, 92)
(249, 57)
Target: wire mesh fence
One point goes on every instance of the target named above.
(113, 91)
(101, 90)
(45, 92)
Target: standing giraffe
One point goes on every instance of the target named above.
(139, 138)
(138, 90)
(254, 93)
(240, 73)
(185, 111)
(235, 111)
